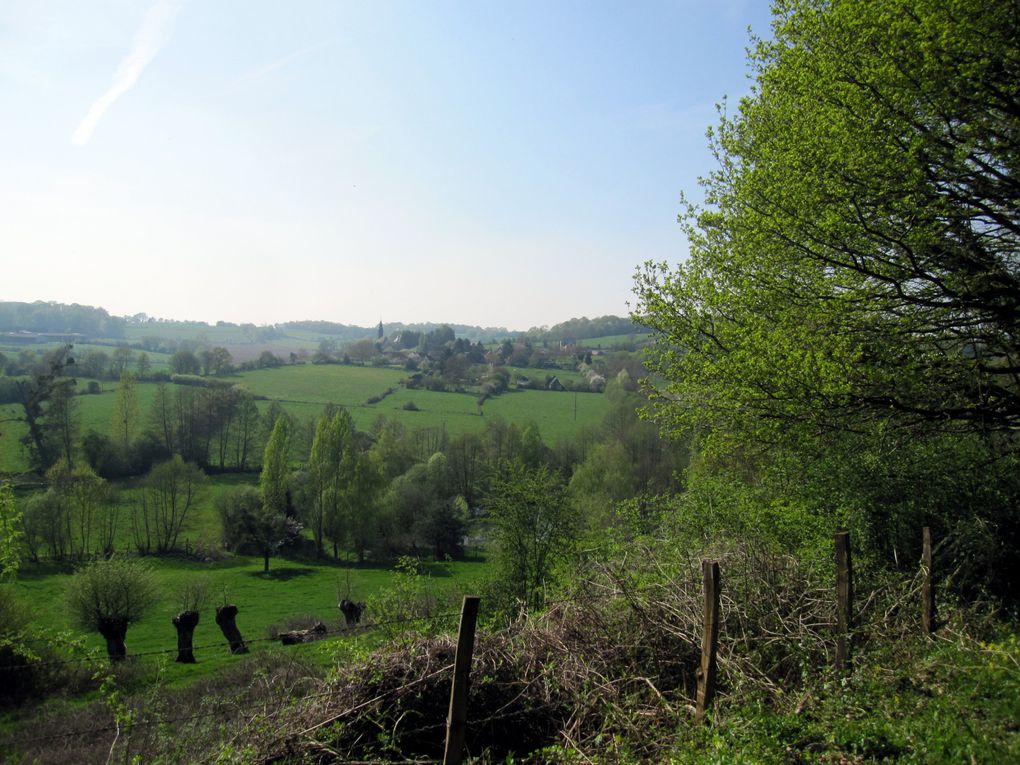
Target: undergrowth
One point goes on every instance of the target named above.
(606, 674)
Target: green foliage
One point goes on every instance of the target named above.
(84, 519)
(49, 411)
(60, 318)
(273, 479)
(845, 328)
(422, 507)
(170, 492)
(116, 588)
(250, 524)
(10, 533)
(191, 594)
(859, 258)
(915, 703)
(534, 527)
(332, 464)
(414, 594)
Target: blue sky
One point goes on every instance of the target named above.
(502, 164)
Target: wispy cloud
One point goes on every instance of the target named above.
(150, 37)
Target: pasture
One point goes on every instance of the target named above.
(291, 589)
(304, 389)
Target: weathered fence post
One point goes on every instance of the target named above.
(226, 617)
(709, 639)
(844, 599)
(456, 721)
(928, 614)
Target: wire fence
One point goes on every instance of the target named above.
(306, 735)
(321, 635)
(233, 708)
(318, 637)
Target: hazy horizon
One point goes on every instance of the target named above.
(368, 326)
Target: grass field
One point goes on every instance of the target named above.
(134, 333)
(304, 389)
(349, 386)
(290, 589)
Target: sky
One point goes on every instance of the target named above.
(493, 163)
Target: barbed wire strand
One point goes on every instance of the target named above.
(329, 633)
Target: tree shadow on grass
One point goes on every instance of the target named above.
(282, 574)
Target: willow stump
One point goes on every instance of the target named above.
(185, 622)
(114, 631)
(226, 618)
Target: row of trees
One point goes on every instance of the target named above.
(59, 318)
(80, 515)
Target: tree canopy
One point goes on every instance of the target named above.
(843, 343)
(858, 257)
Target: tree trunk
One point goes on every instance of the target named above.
(265, 561)
(114, 631)
(226, 618)
(185, 622)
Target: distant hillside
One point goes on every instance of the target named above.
(347, 332)
(96, 323)
(584, 328)
(59, 318)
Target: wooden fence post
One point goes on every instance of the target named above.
(709, 639)
(928, 614)
(844, 599)
(456, 720)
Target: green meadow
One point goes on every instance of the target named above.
(292, 589)
(304, 389)
(345, 385)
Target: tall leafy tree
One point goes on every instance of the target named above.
(49, 411)
(534, 525)
(331, 466)
(849, 315)
(125, 411)
(169, 495)
(249, 523)
(858, 258)
(273, 479)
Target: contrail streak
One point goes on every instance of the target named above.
(150, 37)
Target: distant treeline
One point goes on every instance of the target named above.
(93, 323)
(584, 328)
(59, 318)
(349, 332)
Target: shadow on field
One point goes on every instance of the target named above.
(282, 574)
